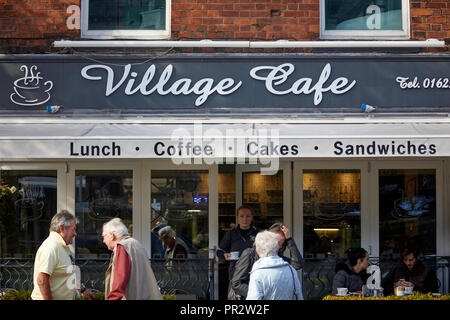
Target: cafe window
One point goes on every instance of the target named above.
(101, 195)
(28, 200)
(364, 19)
(264, 195)
(331, 212)
(407, 202)
(130, 19)
(180, 199)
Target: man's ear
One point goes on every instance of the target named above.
(61, 229)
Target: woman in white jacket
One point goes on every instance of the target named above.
(271, 277)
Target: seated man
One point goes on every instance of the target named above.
(411, 273)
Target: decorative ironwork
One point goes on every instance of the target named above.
(195, 277)
(189, 277)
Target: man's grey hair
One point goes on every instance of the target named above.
(266, 243)
(166, 232)
(63, 218)
(116, 227)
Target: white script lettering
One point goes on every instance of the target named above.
(280, 74)
(203, 88)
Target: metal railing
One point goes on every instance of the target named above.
(194, 278)
(187, 278)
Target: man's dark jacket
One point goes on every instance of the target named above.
(241, 275)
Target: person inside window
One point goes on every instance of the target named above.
(176, 248)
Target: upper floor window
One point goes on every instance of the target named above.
(364, 19)
(125, 19)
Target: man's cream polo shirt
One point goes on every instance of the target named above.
(53, 259)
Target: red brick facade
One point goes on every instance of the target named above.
(30, 26)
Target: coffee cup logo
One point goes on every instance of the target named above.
(30, 90)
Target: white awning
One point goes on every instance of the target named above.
(167, 138)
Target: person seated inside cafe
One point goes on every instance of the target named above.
(351, 273)
(411, 273)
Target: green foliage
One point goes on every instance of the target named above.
(26, 295)
(98, 295)
(16, 295)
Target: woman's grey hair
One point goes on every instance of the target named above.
(116, 227)
(166, 232)
(266, 243)
(63, 218)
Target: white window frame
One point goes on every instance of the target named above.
(403, 34)
(400, 164)
(368, 234)
(149, 165)
(123, 34)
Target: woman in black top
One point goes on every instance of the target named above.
(239, 238)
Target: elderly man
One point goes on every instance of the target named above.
(129, 275)
(54, 273)
(271, 277)
(176, 248)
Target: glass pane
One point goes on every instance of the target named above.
(100, 196)
(127, 14)
(25, 214)
(407, 204)
(363, 15)
(331, 211)
(331, 224)
(264, 194)
(180, 200)
(227, 218)
(227, 199)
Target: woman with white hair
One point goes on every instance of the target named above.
(129, 275)
(271, 277)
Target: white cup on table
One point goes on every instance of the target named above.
(342, 291)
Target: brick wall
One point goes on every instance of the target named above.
(245, 19)
(32, 25)
(431, 19)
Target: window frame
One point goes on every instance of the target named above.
(123, 34)
(403, 34)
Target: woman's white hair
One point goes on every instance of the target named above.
(116, 227)
(266, 243)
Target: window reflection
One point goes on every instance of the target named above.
(407, 202)
(25, 214)
(180, 199)
(127, 15)
(331, 211)
(100, 196)
(363, 15)
(264, 194)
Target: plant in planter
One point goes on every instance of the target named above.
(8, 216)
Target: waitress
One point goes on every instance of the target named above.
(238, 239)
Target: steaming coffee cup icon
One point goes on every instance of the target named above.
(28, 90)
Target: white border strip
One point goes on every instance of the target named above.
(247, 44)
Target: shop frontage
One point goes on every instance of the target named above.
(185, 141)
